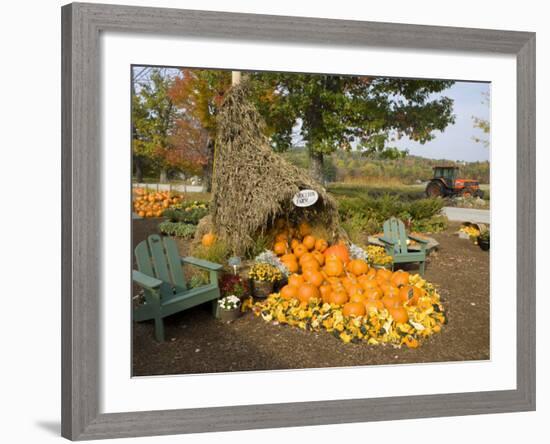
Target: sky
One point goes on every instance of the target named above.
(456, 141)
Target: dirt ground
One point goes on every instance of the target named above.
(198, 343)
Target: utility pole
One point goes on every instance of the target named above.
(235, 77)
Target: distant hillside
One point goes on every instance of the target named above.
(354, 167)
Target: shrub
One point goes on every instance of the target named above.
(365, 215)
(189, 215)
(218, 252)
(199, 278)
(434, 224)
(425, 208)
(178, 229)
(261, 243)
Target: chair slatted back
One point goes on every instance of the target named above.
(159, 257)
(394, 229)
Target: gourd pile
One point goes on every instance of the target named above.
(148, 203)
(347, 297)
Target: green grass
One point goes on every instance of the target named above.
(406, 192)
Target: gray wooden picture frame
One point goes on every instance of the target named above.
(81, 174)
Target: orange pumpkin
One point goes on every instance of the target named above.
(304, 228)
(294, 243)
(309, 242)
(373, 303)
(299, 250)
(353, 309)
(358, 267)
(367, 283)
(333, 266)
(288, 257)
(338, 297)
(354, 289)
(373, 293)
(391, 302)
(314, 277)
(321, 245)
(306, 257)
(307, 292)
(348, 281)
(208, 239)
(311, 265)
(400, 278)
(280, 248)
(383, 274)
(318, 257)
(291, 265)
(391, 291)
(399, 314)
(281, 237)
(338, 250)
(357, 297)
(295, 280)
(289, 292)
(325, 291)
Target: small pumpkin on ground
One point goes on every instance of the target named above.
(353, 309)
(358, 267)
(307, 292)
(309, 242)
(280, 248)
(400, 278)
(338, 250)
(208, 239)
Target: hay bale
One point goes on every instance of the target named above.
(252, 185)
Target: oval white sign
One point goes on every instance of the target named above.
(305, 198)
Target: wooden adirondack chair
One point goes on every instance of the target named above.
(395, 241)
(160, 274)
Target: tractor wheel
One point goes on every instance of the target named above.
(435, 189)
(479, 193)
(467, 193)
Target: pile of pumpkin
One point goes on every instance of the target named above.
(147, 203)
(327, 289)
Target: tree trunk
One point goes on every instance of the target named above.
(316, 166)
(163, 175)
(139, 169)
(208, 167)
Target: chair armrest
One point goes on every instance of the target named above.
(386, 240)
(417, 239)
(148, 282)
(201, 263)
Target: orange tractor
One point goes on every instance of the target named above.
(445, 183)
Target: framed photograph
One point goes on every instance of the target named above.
(277, 221)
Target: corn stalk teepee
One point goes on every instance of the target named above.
(252, 186)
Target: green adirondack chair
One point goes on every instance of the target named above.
(160, 274)
(395, 241)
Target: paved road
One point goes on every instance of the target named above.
(467, 215)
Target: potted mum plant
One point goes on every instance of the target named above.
(483, 240)
(262, 277)
(229, 308)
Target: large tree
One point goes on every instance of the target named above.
(154, 118)
(329, 112)
(199, 93)
(483, 124)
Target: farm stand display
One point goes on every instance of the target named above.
(252, 185)
(332, 291)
